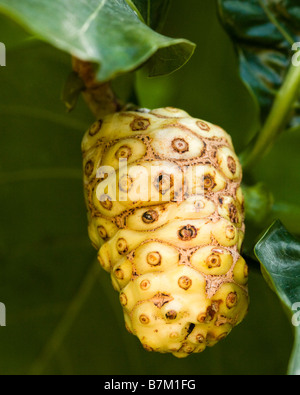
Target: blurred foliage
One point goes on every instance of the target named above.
(63, 316)
(264, 33)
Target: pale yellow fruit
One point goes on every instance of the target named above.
(165, 212)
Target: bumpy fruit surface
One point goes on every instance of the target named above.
(172, 247)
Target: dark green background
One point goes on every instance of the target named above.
(45, 254)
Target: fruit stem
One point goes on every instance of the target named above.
(99, 96)
(277, 119)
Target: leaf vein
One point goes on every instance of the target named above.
(91, 18)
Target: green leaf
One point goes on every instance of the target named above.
(103, 31)
(263, 33)
(279, 253)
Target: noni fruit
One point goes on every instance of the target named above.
(165, 211)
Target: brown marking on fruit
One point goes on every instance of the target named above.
(145, 284)
(213, 261)
(150, 216)
(231, 300)
(221, 320)
(230, 232)
(200, 338)
(119, 274)
(154, 258)
(106, 202)
(144, 319)
(210, 313)
(125, 184)
(233, 213)
(209, 182)
(140, 124)
(102, 176)
(187, 233)
(171, 315)
(123, 299)
(89, 168)
(164, 183)
(122, 246)
(222, 336)
(148, 348)
(231, 164)
(95, 128)
(180, 145)
(185, 282)
(187, 348)
(102, 232)
(203, 126)
(123, 152)
(160, 299)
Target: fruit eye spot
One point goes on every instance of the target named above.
(150, 217)
(231, 300)
(184, 283)
(199, 205)
(95, 128)
(140, 124)
(213, 261)
(203, 126)
(123, 152)
(102, 232)
(230, 232)
(106, 202)
(89, 168)
(154, 259)
(200, 338)
(171, 315)
(164, 183)
(144, 285)
(209, 182)
(122, 246)
(125, 184)
(231, 164)
(187, 233)
(119, 274)
(180, 146)
(144, 319)
(123, 299)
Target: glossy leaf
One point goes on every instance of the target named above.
(279, 253)
(106, 32)
(264, 33)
